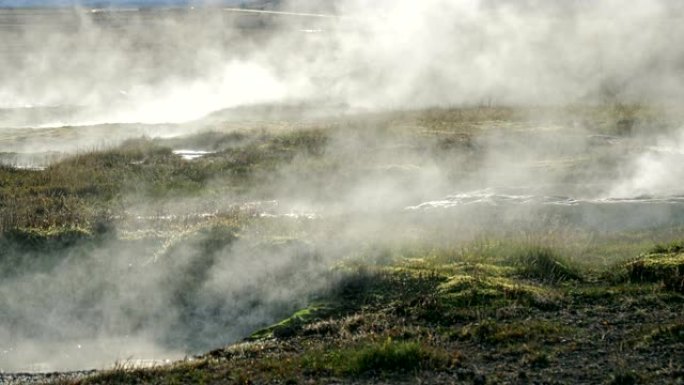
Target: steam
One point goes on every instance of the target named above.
(656, 170)
(96, 77)
(117, 301)
(127, 66)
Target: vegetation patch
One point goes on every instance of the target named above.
(468, 291)
(378, 357)
(673, 247)
(602, 292)
(544, 264)
(667, 268)
(190, 372)
(45, 239)
(78, 189)
(490, 331)
(290, 326)
(357, 286)
(666, 334)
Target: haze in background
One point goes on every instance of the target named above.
(165, 66)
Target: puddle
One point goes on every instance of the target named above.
(292, 214)
(29, 167)
(192, 154)
(260, 209)
(489, 197)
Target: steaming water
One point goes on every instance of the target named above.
(142, 286)
(488, 208)
(489, 197)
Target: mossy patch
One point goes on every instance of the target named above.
(667, 268)
(467, 290)
(291, 325)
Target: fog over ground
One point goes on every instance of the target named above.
(125, 66)
(66, 74)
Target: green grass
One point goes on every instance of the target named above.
(90, 187)
(673, 247)
(291, 325)
(544, 264)
(391, 357)
(464, 291)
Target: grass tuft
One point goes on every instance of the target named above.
(391, 356)
(378, 357)
(544, 264)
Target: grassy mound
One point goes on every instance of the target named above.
(469, 291)
(665, 265)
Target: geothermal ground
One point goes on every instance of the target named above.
(395, 247)
(469, 192)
